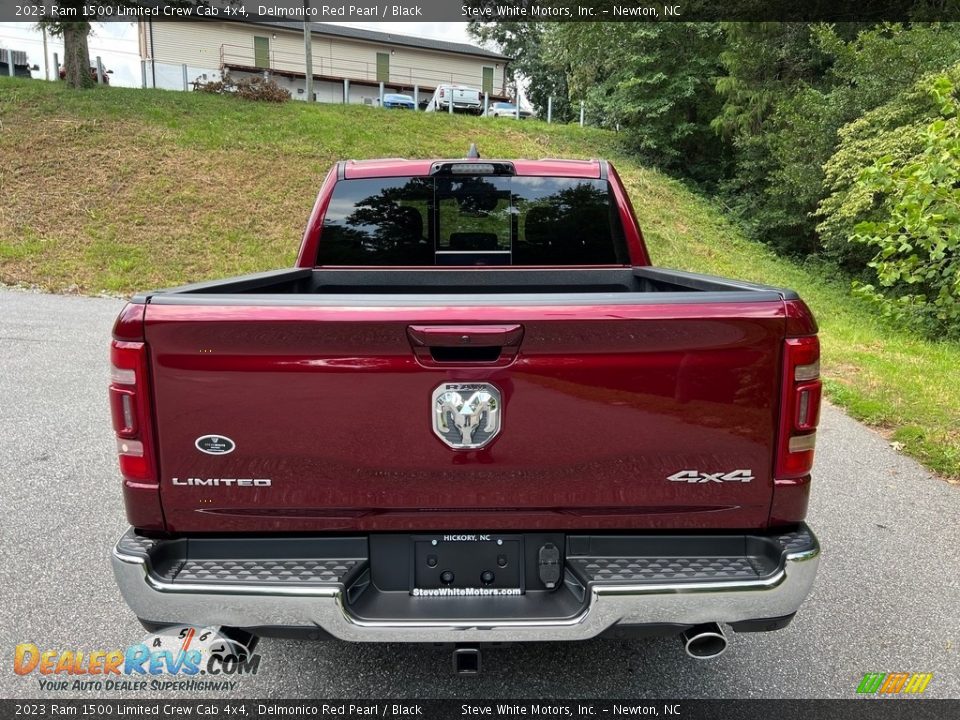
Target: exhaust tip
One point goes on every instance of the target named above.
(704, 642)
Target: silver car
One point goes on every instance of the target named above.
(507, 109)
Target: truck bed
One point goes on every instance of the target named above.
(338, 286)
(613, 380)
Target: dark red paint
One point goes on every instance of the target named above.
(601, 404)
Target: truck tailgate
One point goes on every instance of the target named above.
(658, 416)
(466, 96)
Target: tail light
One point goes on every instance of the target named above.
(800, 407)
(132, 420)
(441, 92)
(129, 407)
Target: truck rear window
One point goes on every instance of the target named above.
(472, 220)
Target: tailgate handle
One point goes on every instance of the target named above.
(465, 344)
(465, 335)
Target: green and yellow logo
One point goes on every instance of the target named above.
(899, 683)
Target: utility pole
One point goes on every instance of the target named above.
(46, 60)
(308, 50)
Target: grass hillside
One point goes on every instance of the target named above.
(119, 189)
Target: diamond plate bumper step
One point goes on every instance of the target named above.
(645, 569)
(329, 585)
(304, 562)
(681, 559)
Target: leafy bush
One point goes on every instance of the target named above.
(789, 89)
(255, 87)
(893, 130)
(915, 233)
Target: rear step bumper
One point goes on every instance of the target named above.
(610, 583)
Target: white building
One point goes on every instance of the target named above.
(363, 58)
(19, 68)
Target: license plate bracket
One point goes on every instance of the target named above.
(467, 564)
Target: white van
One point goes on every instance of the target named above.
(465, 99)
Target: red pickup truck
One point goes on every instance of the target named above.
(472, 412)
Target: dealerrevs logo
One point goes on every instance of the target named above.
(181, 652)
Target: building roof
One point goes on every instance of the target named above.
(386, 38)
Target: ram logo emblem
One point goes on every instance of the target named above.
(466, 416)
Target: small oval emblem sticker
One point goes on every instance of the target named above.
(215, 444)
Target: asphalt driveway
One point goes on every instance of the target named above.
(887, 597)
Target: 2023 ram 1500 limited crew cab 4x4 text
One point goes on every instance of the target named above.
(472, 412)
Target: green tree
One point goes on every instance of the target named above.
(789, 89)
(76, 52)
(533, 63)
(765, 65)
(655, 83)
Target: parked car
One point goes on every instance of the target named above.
(398, 101)
(507, 109)
(464, 99)
(473, 412)
(93, 74)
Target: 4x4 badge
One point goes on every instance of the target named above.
(695, 476)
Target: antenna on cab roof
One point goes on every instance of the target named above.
(473, 153)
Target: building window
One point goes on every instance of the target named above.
(488, 80)
(261, 52)
(383, 67)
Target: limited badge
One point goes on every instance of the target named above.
(466, 416)
(215, 445)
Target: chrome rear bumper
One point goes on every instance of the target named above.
(605, 604)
